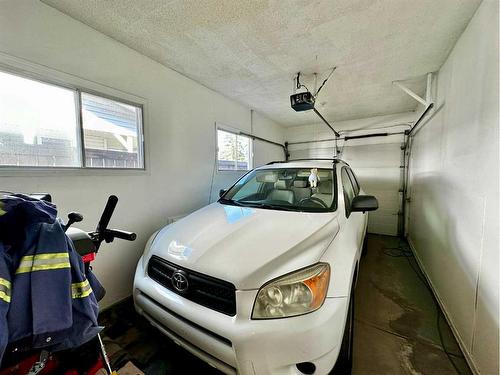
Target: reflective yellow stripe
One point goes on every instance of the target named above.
(2, 212)
(82, 294)
(83, 284)
(4, 290)
(5, 282)
(4, 297)
(43, 262)
(45, 256)
(81, 290)
(43, 267)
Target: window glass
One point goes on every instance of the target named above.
(249, 188)
(354, 181)
(111, 131)
(40, 127)
(283, 189)
(234, 152)
(38, 124)
(349, 193)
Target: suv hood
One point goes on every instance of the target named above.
(245, 246)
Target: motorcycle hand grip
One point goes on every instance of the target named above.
(124, 235)
(107, 213)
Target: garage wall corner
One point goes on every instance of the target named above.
(454, 188)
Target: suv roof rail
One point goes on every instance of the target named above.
(334, 160)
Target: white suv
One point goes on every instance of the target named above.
(261, 282)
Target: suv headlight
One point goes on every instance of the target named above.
(297, 293)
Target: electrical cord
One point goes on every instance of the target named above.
(402, 252)
(304, 86)
(298, 84)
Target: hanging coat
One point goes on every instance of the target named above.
(46, 299)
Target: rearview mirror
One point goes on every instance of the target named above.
(222, 192)
(363, 203)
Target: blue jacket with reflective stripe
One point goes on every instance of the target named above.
(51, 305)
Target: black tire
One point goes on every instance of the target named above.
(364, 251)
(343, 366)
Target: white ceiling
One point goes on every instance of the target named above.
(250, 50)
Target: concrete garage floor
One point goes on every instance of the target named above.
(396, 318)
(396, 325)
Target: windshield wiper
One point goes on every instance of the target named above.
(256, 205)
(273, 207)
(230, 201)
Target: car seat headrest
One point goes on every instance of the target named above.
(325, 187)
(300, 183)
(280, 185)
(267, 177)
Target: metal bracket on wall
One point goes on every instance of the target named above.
(427, 102)
(414, 95)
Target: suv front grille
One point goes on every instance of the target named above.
(208, 291)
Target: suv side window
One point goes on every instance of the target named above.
(354, 181)
(349, 192)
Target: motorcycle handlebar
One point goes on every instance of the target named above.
(116, 233)
(102, 232)
(107, 213)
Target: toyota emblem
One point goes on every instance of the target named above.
(180, 281)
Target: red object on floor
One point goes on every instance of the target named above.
(90, 257)
(94, 369)
(23, 367)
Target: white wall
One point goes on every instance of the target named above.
(264, 152)
(453, 214)
(375, 161)
(179, 128)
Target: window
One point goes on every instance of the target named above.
(111, 133)
(349, 193)
(283, 189)
(354, 181)
(40, 126)
(234, 152)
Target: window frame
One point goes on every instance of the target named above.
(236, 133)
(349, 180)
(27, 70)
(140, 129)
(354, 180)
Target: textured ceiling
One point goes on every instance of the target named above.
(250, 50)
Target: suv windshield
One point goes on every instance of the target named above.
(289, 189)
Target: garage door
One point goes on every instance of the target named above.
(376, 162)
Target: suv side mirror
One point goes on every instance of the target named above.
(363, 203)
(222, 192)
